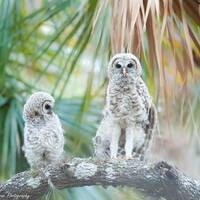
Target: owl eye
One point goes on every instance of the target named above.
(118, 65)
(130, 65)
(47, 107)
(36, 113)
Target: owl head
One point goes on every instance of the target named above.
(124, 65)
(38, 107)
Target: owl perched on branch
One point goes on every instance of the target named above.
(129, 115)
(43, 133)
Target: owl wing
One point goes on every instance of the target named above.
(31, 139)
(152, 115)
(150, 124)
(150, 107)
(143, 92)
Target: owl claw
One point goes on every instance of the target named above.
(35, 172)
(129, 157)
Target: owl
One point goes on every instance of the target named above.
(129, 116)
(43, 133)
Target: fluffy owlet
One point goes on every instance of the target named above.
(43, 133)
(129, 115)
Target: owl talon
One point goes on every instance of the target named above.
(129, 157)
(35, 172)
(135, 155)
(141, 157)
(113, 157)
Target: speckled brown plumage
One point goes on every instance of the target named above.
(43, 133)
(129, 115)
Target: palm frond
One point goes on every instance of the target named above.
(63, 46)
(145, 27)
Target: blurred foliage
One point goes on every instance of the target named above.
(63, 46)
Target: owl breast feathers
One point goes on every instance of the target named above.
(129, 116)
(43, 133)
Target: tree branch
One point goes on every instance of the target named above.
(155, 180)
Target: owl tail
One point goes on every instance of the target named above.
(52, 192)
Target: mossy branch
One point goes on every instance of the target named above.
(154, 179)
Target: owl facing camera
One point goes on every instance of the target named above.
(129, 116)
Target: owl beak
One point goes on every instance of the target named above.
(125, 73)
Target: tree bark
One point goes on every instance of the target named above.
(154, 179)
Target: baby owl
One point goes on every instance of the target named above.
(43, 133)
(129, 115)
